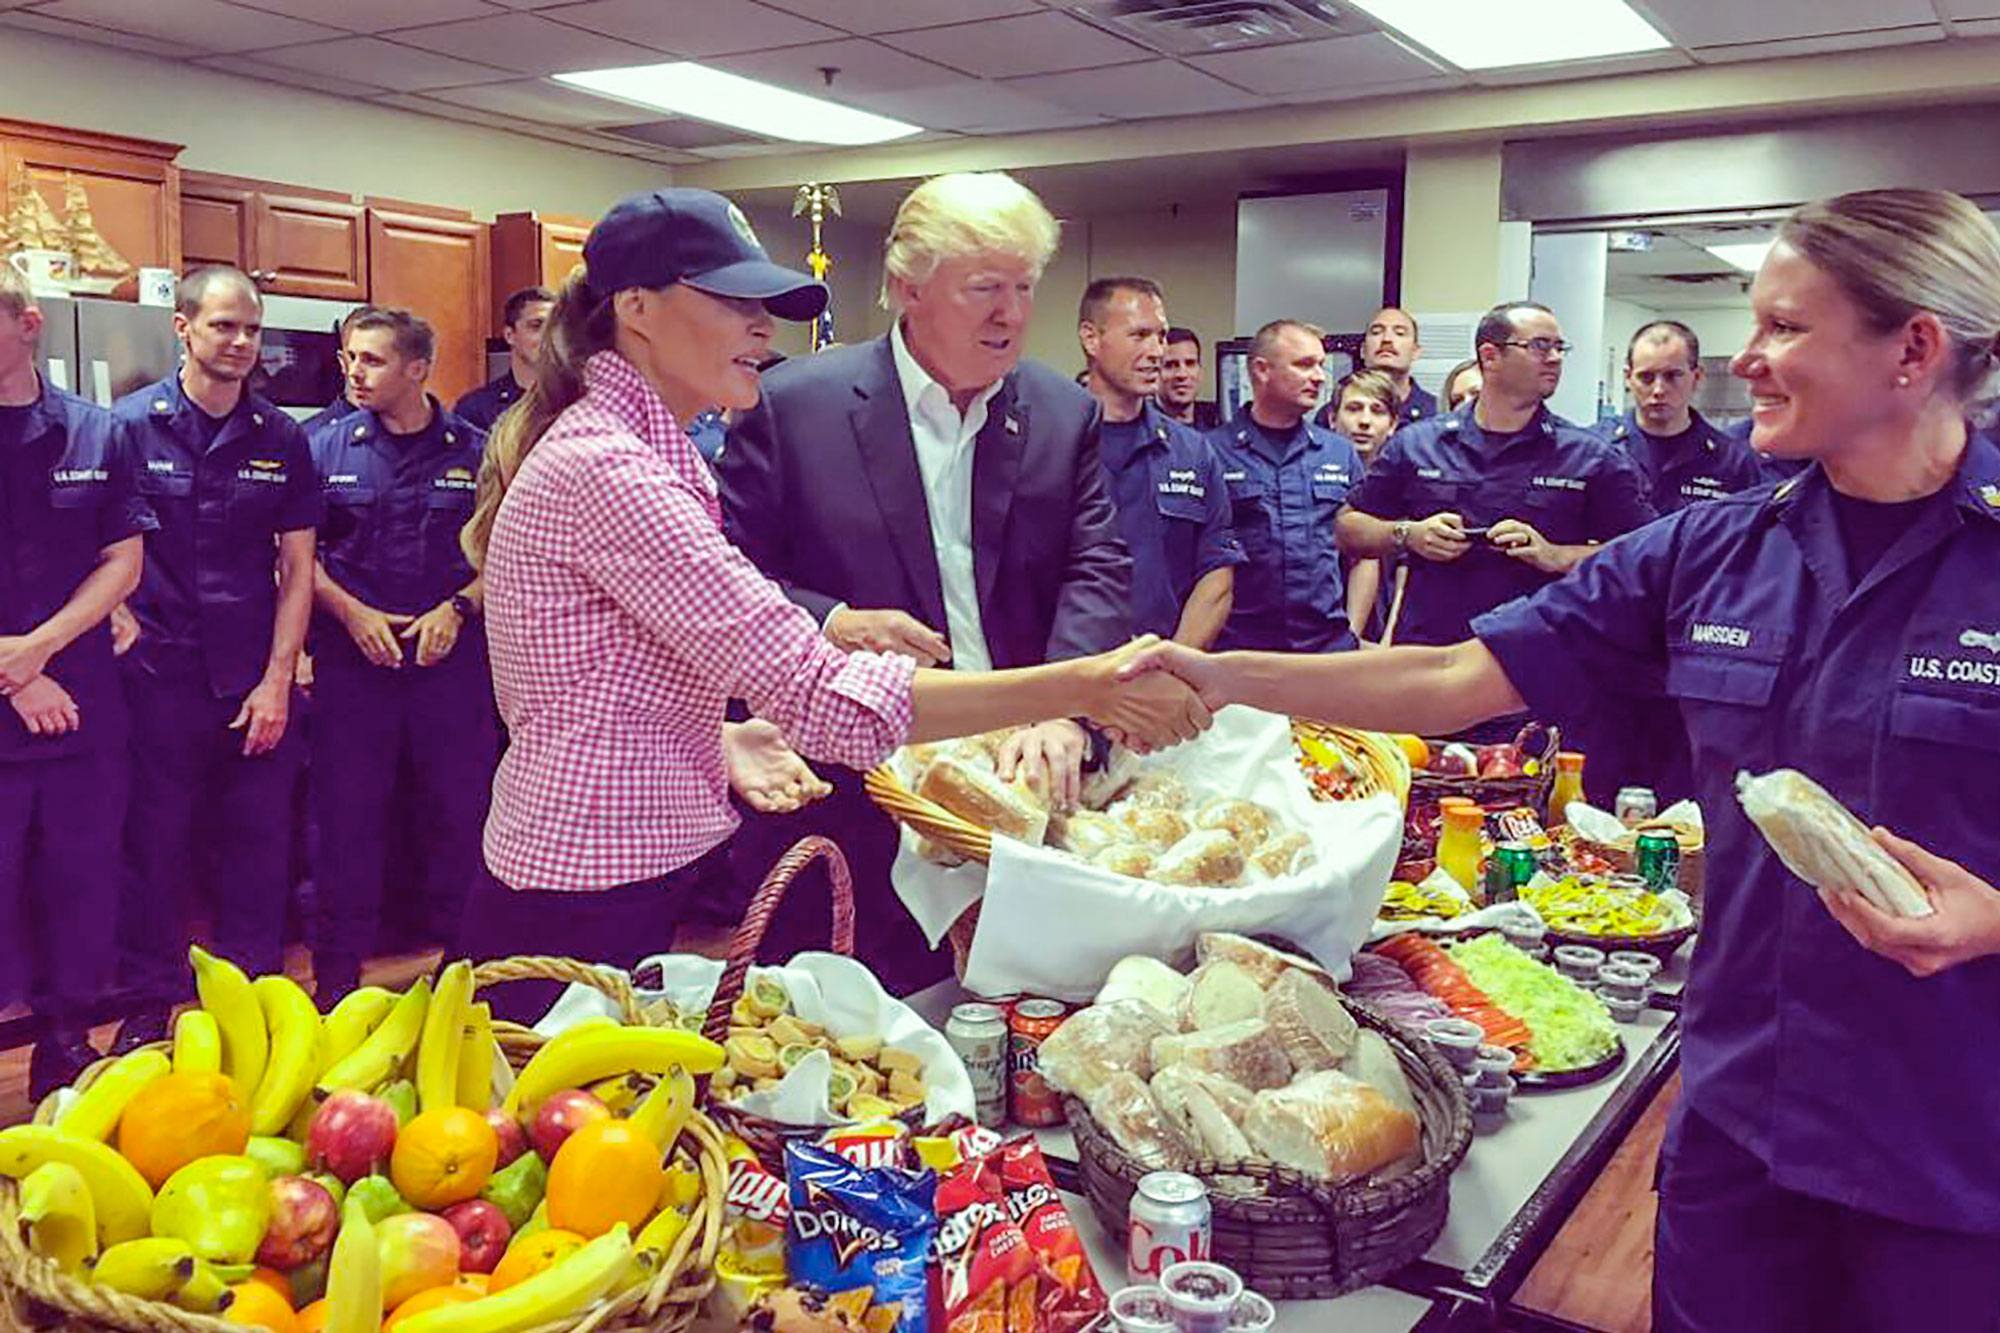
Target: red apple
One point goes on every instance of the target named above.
(352, 1135)
(418, 1251)
(513, 1139)
(304, 1220)
(483, 1233)
(562, 1115)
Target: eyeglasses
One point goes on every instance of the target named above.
(1541, 346)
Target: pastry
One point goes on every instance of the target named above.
(1209, 858)
(1250, 822)
(1126, 858)
(1158, 827)
(1285, 854)
(1086, 833)
(1161, 791)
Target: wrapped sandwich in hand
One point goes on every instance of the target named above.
(1824, 845)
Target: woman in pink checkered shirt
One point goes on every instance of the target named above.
(621, 620)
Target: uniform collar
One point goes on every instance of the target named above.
(1158, 429)
(47, 413)
(168, 402)
(503, 387)
(362, 426)
(1977, 485)
(1541, 426)
(1245, 431)
(1698, 427)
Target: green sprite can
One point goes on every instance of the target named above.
(1658, 861)
(1520, 861)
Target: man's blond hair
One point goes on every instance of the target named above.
(15, 294)
(963, 214)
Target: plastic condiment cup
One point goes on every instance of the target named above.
(1627, 983)
(1579, 962)
(1252, 1314)
(1141, 1309)
(1493, 1061)
(1645, 962)
(1622, 1009)
(1531, 940)
(1201, 1295)
(1456, 1039)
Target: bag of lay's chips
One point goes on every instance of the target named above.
(853, 1228)
(751, 1258)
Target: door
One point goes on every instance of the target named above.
(436, 268)
(532, 251)
(218, 225)
(111, 202)
(562, 250)
(311, 247)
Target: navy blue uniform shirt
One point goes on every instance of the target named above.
(395, 505)
(66, 492)
(333, 411)
(1284, 495)
(1701, 463)
(482, 406)
(1853, 1080)
(1563, 481)
(1173, 512)
(208, 600)
(1421, 405)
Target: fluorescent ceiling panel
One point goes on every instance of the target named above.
(1478, 34)
(688, 89)
(1746, 255)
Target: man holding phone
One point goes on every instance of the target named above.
(1496, 501)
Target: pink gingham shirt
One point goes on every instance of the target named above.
(620, 622)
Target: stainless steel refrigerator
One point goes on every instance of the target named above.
(104, 350)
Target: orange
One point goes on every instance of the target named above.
(273, 1279)
(179, 1119)
(605, 1173)
(1416, 750)
(260, 1307)
(435, 1298)
(312, 1319)
(530, 1255)
(443, 1157)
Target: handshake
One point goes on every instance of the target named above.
(1149, 694)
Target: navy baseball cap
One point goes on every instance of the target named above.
(698, 238)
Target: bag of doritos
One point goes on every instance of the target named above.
(1076, 1300)
(854, 1228)
(984, 1277)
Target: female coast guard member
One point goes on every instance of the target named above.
(1831, 1164)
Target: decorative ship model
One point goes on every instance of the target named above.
(30, 224)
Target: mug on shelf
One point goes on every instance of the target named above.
(49, 272)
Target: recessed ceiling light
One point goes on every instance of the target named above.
(1746, 255)
(688, 89)
(1479, 34)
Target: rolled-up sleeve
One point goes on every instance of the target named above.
(652, 545)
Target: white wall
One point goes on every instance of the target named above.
(1621, 320)
(245, 127)
(1569, 279)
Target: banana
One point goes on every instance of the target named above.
(151, 1268)
(621, 1093)
(295, 1038)
(354, 1276)
(95, 1114)
(204, 1292)
(197, 1043)
(558, 1292)
(581, 1056)
(225, 992)
(359, 1013)
(656, 1239)
(61, 1220)
(444, 1036)
(665, 1112)
(376, 1060)
(475, 1058)
(121, 1196)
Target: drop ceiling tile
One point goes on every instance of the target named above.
(207, 25)
(729, 150)
(377, 15)
(1328, 66)
(1640, 63)
(527, 43)
(872, 16)
(1969, 9)
(1137, 92)
(372, 60)
(973, 106)
(1429, 83)
(1046, 43)
(529, 4)
(290, 78)
(1976, 27)
(1706, 23)
(680, 132)
(865, 67)
(33, 21)
(696, 27)
(1809, 46)
(540, 101)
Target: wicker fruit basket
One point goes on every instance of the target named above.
(1303, 1238)
(1382, 764)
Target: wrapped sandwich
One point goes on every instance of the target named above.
(1824, 845)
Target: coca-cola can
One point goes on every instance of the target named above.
(1169, 1223)
(1030, 1098)
(978, 1032)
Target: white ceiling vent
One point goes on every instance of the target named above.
(1197, 27)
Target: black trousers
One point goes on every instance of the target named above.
(59, 876)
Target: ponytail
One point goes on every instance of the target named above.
(579, 327)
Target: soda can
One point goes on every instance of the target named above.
(1031, 1101)
(1658, 860)
(1498, 881)
(1520, 865)
(1169, 1223)
(1636, 805)
(978, 1032)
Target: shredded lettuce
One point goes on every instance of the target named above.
(1571, 1027)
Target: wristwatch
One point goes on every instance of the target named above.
(465, 606)
(1400, 534)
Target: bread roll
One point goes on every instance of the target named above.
(1124, 1108)
(1107, 784)
(1208, 859)
(1100, 1041)
(1312, 1024)
(1218, 994)
(1247, 1053)
(1327, 1125)
(980, 797)
(1183, 1096)
(1824, 845)
(1284, 854)
(1157, 828)
(1126, 858)
(1260, 960)
(1141, 978)
(1086, 833)
(1251, 823)
(1162, 791)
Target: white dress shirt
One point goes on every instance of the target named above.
(945, 442)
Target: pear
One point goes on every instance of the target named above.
(377, 1197)
(219, 1205)
(518, 1188)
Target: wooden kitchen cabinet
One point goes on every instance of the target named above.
(435, 264)
(533, 250)
(110, 201)
(294, 241)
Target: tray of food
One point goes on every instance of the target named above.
(1612, 914)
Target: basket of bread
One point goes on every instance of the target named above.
(1326, 1137)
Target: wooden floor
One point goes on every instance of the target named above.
(1597, 1273)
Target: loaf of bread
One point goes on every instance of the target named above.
(1185, 1099)
(1100, 1041)
(1250, 822)
(1126, 858)
(1824, 845)
(1086, 832)
(1124, 1108)
(1208, 858)
(1260, 960)
(1374, 1062)
(1218, 993)
(1328, 1125)
(1247, 1053)
(1139, 977)
(980, 797)
(1286, 854)
(1311, 1023)
(1151, 825)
